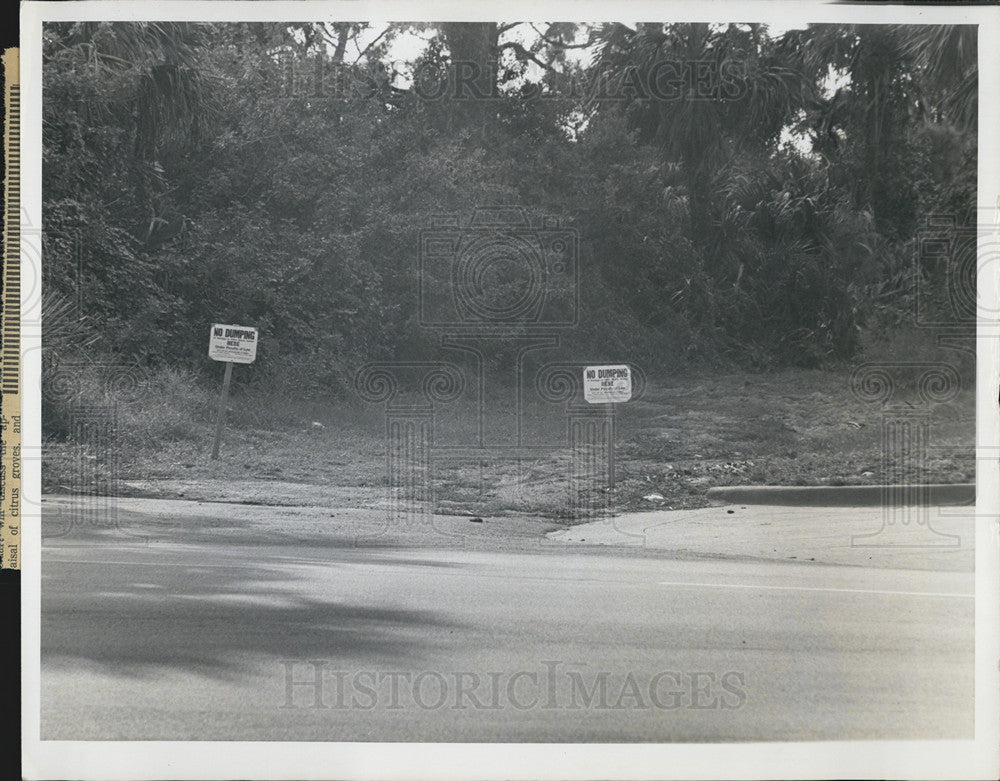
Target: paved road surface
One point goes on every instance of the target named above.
(209, 639)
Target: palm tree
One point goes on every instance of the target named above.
(735, 95)
(949, 70)
(893, 77)
(150, 77)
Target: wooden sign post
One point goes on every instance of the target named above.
(232, 344)
(221, 418)
(608, 385)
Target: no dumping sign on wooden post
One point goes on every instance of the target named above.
(232, 344)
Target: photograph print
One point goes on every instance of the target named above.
(511, 382)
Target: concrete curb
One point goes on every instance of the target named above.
(844, 496)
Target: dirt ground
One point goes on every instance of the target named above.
(683, 436)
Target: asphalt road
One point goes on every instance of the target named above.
(225, 639)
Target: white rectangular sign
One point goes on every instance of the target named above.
(236, 343)
(607, 384)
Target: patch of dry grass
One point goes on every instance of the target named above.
(685, 435)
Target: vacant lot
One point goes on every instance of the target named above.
(684, 435)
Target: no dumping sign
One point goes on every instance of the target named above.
(607, 384)
(235, 343)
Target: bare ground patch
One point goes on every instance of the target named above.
(685, 435)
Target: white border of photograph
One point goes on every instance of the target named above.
(978, 758)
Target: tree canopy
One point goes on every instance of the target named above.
(738, 195)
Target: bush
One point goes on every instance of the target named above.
(149, 407)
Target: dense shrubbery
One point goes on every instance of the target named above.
(186, 182)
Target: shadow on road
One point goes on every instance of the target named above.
(214, 620)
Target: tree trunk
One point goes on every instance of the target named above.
(473, 82)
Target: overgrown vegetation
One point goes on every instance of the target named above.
(688, 433)
(764, 215)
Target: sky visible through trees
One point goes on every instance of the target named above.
(741, 195)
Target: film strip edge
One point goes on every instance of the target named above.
(10, 344)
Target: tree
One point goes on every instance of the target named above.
(702, 94)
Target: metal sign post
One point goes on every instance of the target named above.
(232, 344)
(608, 385)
